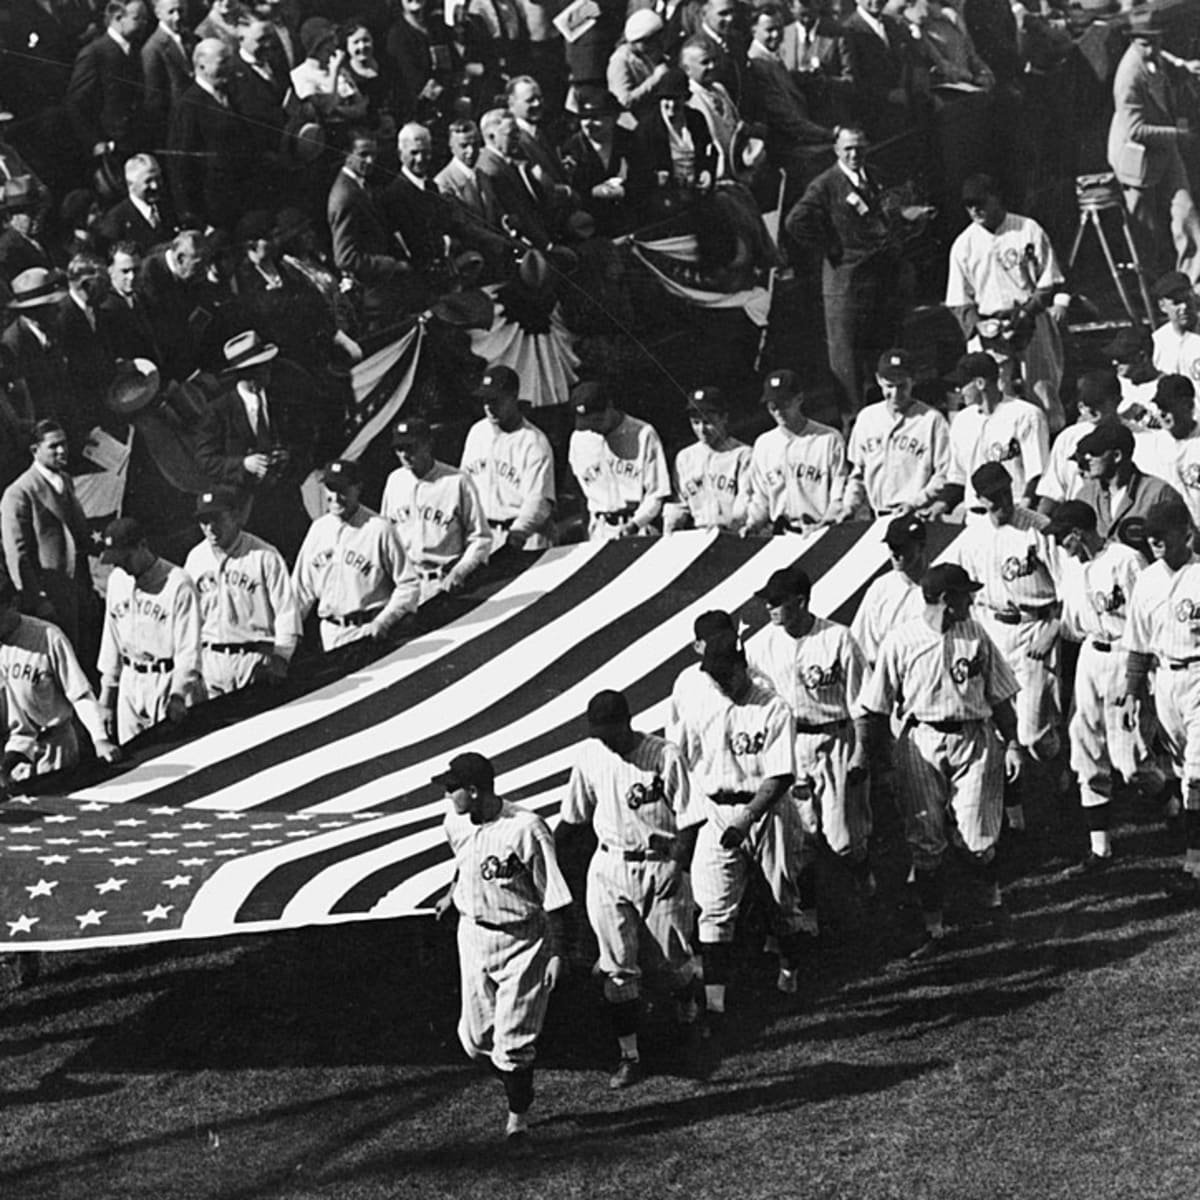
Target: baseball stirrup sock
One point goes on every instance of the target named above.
(625, 1018)
(518, 1087)
(930, 891)
(806, 887)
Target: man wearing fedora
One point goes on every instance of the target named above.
(21, 207)
(29, 348)
(251, 440)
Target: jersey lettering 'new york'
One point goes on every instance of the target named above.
(899, 458)
(1015, 435)
(620, 469)
(819, 674)
(1013, 562)
(714, 484)
(890, 600)
(1096, 595)
(513, 472)
(796, 477)
(437, 516)
(1164, 612)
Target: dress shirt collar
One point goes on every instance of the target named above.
(220, 97)
(875, 25)
(53, 478)
(126, 48)
(422, 185)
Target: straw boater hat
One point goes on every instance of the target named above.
(134, 387)
(36, 288)
(248, 350)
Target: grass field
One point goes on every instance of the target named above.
(1054, 1052)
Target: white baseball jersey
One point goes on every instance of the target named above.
(623, 472)
(692, 693)
(898, 458)
(1138, 407)
(797, 477)
(245, 594)
(1062, 479)
(1015, 435)
(1096, 594)
(1164, 612)
(513, 473)
(353, 568)
(627, 799)
(714, 484)
(439, 517)
(44, 687)
(819, 674)
(935, 675)
(888, 601)
(991, 269)
(1013, 561)
(1176, 353)
(1175, 461)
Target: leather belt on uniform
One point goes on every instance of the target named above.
(435, 572)
(946, 726)
(1022, 613)
(619, 517)
(978, 510)
(152, 666)
(240, 647)
(822, 726)
(505, 524)
(1181, 664)
(1103, 647)
(646, 855)
(727, 797)
(352, 619)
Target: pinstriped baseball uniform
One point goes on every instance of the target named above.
(623, 474)
(1164, 620)
(897, 458)
(506, 880)
(1013, 562)
(1175, 460)
(514, 474)
(888, 601)
(820, 675)
(1095, 598)
(952, 676)
(1062, 479)
(797, 478)
(150, 646)
(1016, 435)
(630, 800)
(354, 571)
(714, 484)
(246, 599)
(735, 746)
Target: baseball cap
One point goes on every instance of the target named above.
(608, 708)
(976, 365)
(894, 365)
(221, 499)
(903, 532)
(340, 475)
(498, 381)
(991, 479)
(946, 577)
(467, 770)
(1069, 515)
(780, 386)
(1144, 25)
(589, 398)
(1164, 516)
(1099, 390)
(1128, 345)
(707, 400)
(711, 624)
(721, 654)
(1174, 285)
(784, 585)
(414, 429)
(977, 188)
(1174, 391)
(123, 533)
(1106, 436)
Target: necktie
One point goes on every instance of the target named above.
(264, 421)
(154, 217)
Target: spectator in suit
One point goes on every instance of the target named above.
(90, 361)
(124, 321)
(106, 92)
(638, 64)
(145, 217)
(992, 25)
(509, 186)
(527, 105)
(286, 36)
(33, 359)
(420, 48)
(945, 44)
(457, 179)
(206, 143)
(879, 66)
(35, 84)
(171, 283)
(46, 540)
(709, 97)
(718, 30)
(598, 157)
(21, 212)
(256, 91)
(812, 49)
(220, 23)
(166, 66)
(252, 439)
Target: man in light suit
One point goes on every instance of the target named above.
(457, 179)
(812, 50)
(46, 538)
(1144, 150)
(166, 65)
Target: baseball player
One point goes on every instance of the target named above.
(1017, 606)
(1163, 632)
(947, 682)
(993, 427)
(351, 566)
(1172, 453)
(436, 511)
(633, 788)
(692, 683)
(899, 448)
(1129, 352)
(1097, 395)
(512, 465)
(815, 665)
(44, 687)
(1176, 344)
(797, 469)
(149, 659)
(712, 474)
(620, 465)
(508, 891)
(895, 596)
(1096, 584)
(741, 738)
(250, 625)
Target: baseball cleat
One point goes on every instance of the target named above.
(788, 981)
(628, 1072)
(1093, 864)
(931, 946)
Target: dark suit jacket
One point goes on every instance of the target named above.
(1144, 492)
(651, 152)
(585, 170)
(128, 329)
(170, 304)
(510, 197)
(362, 244)
(207, 160)
(782, 107)
(90, 368)
(452, 183)
(225, 438)
(124, 223)
(41, 388)
(18, 253)
(168, 74)
(105, 96)
(875, 70)
(1143, 139)
(539, 152)
(827, 220)
(34, 82)
(260, 104)
(993, 29)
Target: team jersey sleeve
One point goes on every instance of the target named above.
(282, 597)
(580, 802)
(406, 587)
(656, 481)
(939, 458)
(959, 292)
(778, 757)
(854, 664)
(537, 484)
(1035, 448)
(187, 679)
(959, 451)
(882, 688)
(74, 684)
(304, 582)
(675, 779)
(108, 662)
(476, 530)
(855, 492)
(838, 468)
(999, 682)
(1138, 635)
(543, 865)
(758, 503)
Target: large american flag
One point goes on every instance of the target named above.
(321, 810)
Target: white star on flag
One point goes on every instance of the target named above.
(196, 845)
(94, 806)
(93, 850)
(111, 884)
(300, 816)
(23, 849)
(157, 913)
(24, 829)
(61, 841)
(195, 825)
(22, 924)
(43, 887)
(124, 862)
(165, 811)
(234, 836)
(93, 916)
(177, 881)
(192, 862)
(101, 833)
(266, 825)
(49, 860)
(162, 836)
(131, 822)
(160, 851)
(58, 819)
(21, 800)
(231, 816)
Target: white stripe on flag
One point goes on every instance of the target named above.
(387, 411)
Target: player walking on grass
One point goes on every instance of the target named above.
(508, 891)
(633, 789)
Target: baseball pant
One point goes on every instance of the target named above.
(1177, 705)
(226, 672)
(334, 634)
(719, 876)
(628, 911)
(141, 702)
(950, 781)
(1099, 741)
(600, 530)
(838, 811)
(57, 750)
(504, 995)
(1036, 704)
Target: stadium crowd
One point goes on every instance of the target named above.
(216, 214)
